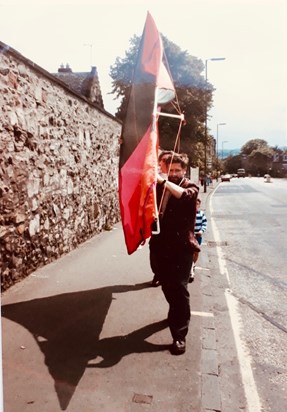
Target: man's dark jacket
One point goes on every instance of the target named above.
(177, 222)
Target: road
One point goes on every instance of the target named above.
(247, 249)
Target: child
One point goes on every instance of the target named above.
(199, 229)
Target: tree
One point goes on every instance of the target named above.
(253, 144)
(259, 156)
(232, 163)
(194, 94)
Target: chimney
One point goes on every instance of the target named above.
(94, 71)
(63, 69)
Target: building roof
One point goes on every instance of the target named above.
(7, 50)
(84, 83)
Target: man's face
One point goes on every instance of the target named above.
(176, 173)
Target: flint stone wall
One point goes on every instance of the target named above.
(58, 168)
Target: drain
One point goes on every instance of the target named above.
(139, 398)
(212, 243)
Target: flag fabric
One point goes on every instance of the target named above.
(151, 87)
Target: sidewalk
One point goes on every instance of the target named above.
(209, 368)
(87, 332)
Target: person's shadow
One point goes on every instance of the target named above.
(67, 329)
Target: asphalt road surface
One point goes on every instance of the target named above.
(248, 249)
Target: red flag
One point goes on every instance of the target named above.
(151, 87)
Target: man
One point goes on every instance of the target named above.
(172, 249)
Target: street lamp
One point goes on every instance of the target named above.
(205, 128)
(218, 124)
(224, 141)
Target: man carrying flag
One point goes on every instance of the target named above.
(172, 243)
(172, 249)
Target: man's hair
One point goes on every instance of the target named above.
(180, 158)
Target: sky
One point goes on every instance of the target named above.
(251, 87)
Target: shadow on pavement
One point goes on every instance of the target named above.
(67, 329)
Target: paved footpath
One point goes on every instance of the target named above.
(88, 333)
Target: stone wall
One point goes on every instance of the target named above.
(58, 168)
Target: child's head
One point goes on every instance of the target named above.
(164, 155)
(198, 203)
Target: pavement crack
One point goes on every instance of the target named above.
(260, 312)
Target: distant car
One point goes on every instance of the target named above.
(234, 175)
(267, 178)
(241, 173)
(226, 177)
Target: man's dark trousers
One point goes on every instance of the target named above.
(172, 268)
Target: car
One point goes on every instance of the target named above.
(226, 177)
(267, 178)
(241, 173)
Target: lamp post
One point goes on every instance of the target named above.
(224, 141)
(205, 128)
(218, 124)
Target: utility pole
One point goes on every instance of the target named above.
(205, 126)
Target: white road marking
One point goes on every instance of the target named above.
(202, 314)
(201, 268)
(244, 358)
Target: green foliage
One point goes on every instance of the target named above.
(122, 73)
(193, 94)
(253, 145)
(232, 163)
(255, 156)
(259, 155)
